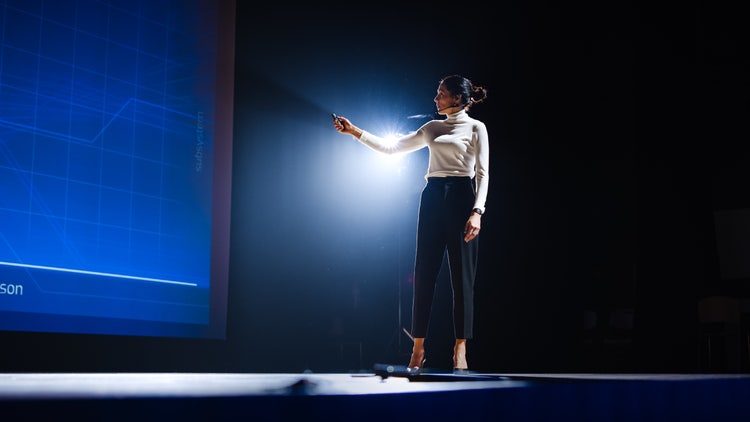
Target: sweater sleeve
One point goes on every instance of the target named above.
(482, 166)
(406, 143)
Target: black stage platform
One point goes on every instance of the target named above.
(378, 396)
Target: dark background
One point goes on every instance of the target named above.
(617, 130)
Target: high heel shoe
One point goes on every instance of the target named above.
(460, 367)
(416, 368)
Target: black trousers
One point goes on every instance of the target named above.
(444, 208)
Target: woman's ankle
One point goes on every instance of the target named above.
(459, 355)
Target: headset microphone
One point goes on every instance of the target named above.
(425, 116)
(450, 106)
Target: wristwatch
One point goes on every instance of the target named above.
(478, 211)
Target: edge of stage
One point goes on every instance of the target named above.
(375, 395)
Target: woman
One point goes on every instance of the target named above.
(450, 210)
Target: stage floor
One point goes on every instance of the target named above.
(45, 386)
(55, 386)
(372, 396)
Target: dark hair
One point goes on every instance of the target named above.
(470, 93)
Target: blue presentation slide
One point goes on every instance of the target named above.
(106, 168)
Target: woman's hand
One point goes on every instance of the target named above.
(343, 125)
(472, 227)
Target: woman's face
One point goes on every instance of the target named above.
(445, 102)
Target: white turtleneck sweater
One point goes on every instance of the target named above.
(459, 146)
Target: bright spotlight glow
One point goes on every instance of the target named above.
(391, 139)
